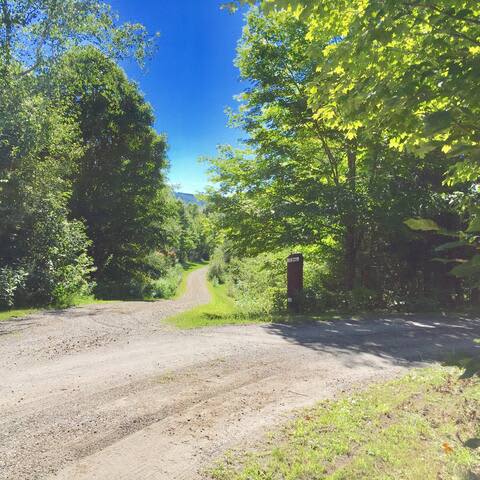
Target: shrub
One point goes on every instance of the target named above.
(165, 287)
(157, 264)
(258, 284)
(58, 266)
(218, 266)
(73, 281)
(11, 279)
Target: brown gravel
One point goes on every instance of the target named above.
(109, 392)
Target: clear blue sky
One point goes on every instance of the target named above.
(191, 79)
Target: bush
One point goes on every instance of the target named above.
(157, 264)
(152, 279)
(58, 266)
(165, 287)
(52, 266)
(218, 266)
(11, 279)
(72, 282)
(258, 284)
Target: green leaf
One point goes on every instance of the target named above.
(474, 226)
(445, 260)
(422, 224)
(468, 269)
(452, 245)
(438, 121)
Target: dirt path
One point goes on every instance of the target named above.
(109, 392)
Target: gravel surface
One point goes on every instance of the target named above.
(111, 392)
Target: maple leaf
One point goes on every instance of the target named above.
(447, 448)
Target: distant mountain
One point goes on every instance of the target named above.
(189, 198)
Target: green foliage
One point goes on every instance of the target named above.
(466, 246)
(217, 271)
(194, 239)
(167, 285)
(58, 265)
(81, 167)
(407, 69)
(37, 237)
(118, 182)
(313, 176)
(36, 34)
(157, 264)
(10, 281)
(258, 284)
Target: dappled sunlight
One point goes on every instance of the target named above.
(398, 339)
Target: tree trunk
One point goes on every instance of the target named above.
(350, 258)
(7, 43)
(351, 245)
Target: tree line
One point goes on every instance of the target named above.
(83, 196)
(361, 150)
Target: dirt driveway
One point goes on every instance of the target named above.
(111, 392)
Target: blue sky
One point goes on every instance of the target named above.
(191, 79)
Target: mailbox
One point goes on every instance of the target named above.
(294, 280)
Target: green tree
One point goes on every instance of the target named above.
(407, 69)
(43, 252)
(38, 241)
(311, 179)
(118, 182)
(194, 238)
(33, 34)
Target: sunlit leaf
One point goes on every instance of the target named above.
(422, 224)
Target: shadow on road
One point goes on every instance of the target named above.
(401, 339)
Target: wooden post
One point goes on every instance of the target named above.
(294, 280)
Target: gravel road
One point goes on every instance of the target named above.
(112, 392)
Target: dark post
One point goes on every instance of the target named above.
(294, 280)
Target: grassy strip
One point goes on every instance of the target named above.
(188, 268)
(10, 314)
(220, 311)
(24, 312)
(423, 426)
(85, 301)
(91, 300)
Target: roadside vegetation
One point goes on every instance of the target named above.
(220, 311)
(360, 151)
(172, 285)
(422, 426)
(367, 166)
(19, 313)
(85, 205)
(187, 269)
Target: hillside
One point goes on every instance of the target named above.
(189, 198)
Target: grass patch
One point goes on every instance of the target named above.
(10, 314)
(423, 426)
(24, 312)
(188, 268)
(220, 311)
(84, 301)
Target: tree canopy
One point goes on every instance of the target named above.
(360, 115)
(83, 196)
